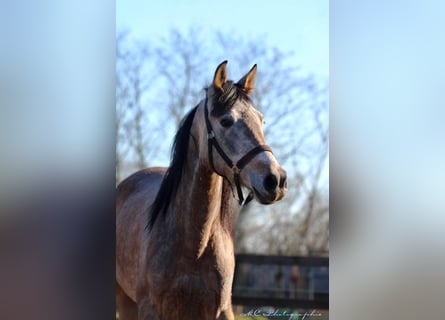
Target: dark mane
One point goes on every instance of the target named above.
(173, 175)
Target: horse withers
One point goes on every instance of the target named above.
(175, 226)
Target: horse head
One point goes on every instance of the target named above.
(236, 147)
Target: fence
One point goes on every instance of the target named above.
(281, 281)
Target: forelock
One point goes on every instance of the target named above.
(224, 101)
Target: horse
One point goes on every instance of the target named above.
(175, 226)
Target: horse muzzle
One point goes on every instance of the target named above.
(272, 188)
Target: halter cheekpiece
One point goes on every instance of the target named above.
(236, 167)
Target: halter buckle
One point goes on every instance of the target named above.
(210, 135)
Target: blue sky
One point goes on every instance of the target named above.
(298, 26)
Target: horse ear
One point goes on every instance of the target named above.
(247, 82)
(220, 76)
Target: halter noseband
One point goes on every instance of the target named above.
(238, 166)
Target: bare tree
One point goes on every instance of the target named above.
(131, 115)
(295, 107)
(157, 87)
(181, 68)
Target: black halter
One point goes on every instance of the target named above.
(237, 167)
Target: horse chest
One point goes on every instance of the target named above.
(205, 277)
(192, 296)
(182, 284)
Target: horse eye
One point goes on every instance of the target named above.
(226, 122)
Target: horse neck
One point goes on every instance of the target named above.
(205, 207)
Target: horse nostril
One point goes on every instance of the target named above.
(283, 182)
(270, 183)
